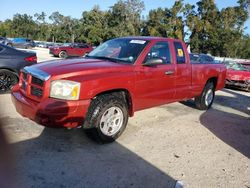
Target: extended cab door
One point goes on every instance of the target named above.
(155, 84)
(73, 50)
(183, 74)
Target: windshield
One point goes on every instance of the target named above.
(235, 66)
(119, 50)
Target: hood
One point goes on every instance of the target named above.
(83, 66)
(238, 74)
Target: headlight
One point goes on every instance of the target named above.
(65, 89)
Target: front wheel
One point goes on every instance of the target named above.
(205, 100)
(7, 80)
(107, 117)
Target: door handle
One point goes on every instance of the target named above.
(169, 72)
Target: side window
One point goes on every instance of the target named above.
(180, 55)
(160, 50)
(210, 59)
(83, 46)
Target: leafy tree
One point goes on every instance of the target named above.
(124, 17)
(93, 26)
(63, 27)
(23, 25)
(207, 29)
(5, 28)
(167, 22)
(42, 27)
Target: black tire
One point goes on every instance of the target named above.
(100, 107)
(10, 45)
(28, 47)
(63, 54)
(205, 100)
(7, 80)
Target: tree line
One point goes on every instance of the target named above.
(206, 28)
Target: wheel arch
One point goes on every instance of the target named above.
(125, 94)
(11, 70)
(214, 80)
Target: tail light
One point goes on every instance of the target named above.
(31, 59)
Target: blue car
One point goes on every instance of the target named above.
(23, 43)
(5, 41)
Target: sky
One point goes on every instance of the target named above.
(74, 8)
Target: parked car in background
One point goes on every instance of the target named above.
(41, 44)
(245, 64)
(5, 41)
(201, 58)
(23, 43)
(11, 62)
(73, 50)
(237, 75)
(121, 76)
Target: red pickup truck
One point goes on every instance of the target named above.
(73, 50)
(121, 76)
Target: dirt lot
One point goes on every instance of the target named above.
(160, 145)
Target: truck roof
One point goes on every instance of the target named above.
(150, 38)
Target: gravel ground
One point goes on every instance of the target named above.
(160, 146)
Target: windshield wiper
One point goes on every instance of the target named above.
(104, 58)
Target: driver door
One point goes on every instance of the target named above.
(155, 85)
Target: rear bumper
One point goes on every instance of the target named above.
(51, 112)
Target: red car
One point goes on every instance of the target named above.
(73, 50)
(118, 78)
(245, 64)
(237, 75)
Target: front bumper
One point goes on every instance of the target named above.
(238, 84)
(51, 112)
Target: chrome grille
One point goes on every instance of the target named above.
(36, 91)
(24, 85)
(33, 82)
(37, 81)
(25, 75)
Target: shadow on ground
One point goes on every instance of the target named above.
(67, 158)
(231, 128)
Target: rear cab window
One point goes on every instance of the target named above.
(179, 51)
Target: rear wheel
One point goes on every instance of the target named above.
(205, 100)
(28, 47)
(107, 117)
(7, 80)
(63, 54)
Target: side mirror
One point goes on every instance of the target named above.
(153, 62)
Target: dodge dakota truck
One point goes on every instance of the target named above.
(121, 76)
